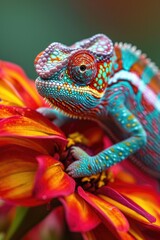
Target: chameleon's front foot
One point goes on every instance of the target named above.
(84, 165)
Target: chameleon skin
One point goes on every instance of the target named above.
(115, 85)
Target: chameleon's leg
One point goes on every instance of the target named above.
(87, 165)
(58, 118)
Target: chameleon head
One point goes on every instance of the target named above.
(74, 79)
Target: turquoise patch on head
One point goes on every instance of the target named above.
(100, 81)
(104, 74)
(54, 54)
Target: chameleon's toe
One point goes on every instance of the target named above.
(82, 166)
(75, 170)
(78, 153)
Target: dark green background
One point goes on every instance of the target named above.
(27, 27)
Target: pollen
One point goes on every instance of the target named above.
(85, 179)
(76, 137)
(101, 184)
(95, 181)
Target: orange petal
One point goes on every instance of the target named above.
(143, 196)
(51, 180)
(125, 201)
(16, 88)
(80, 215)
(108, 212)
(10, 96)
(26, 122)
(150, 203)
(126, 236)
(17, 173)
(26, 181)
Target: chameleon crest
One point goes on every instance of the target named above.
(117, 86)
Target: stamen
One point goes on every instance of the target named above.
(94, 182)
(76, 137)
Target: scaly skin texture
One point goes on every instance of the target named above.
(115, 85)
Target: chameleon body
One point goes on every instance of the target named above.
(115, 85)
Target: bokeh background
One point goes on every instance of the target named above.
(27, 27)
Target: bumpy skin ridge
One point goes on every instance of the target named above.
(117, 86)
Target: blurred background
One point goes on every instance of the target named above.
(27, 27)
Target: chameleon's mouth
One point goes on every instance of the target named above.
(51, 85)
(67, 98)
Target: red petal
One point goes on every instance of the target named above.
(17, 173)
(16, 87)
(109, 213)
(111, 193)
(25, 181)
(24, 122)
(51, 180)
(103, 233)
(43, 146)
(142, 195)
(80, 215)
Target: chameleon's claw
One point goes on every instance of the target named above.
(73, 170)
(79, 168)
(78, 153)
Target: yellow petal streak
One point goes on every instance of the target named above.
(16, 177)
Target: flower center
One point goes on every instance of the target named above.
(93, 182)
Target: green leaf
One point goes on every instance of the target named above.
(27, 218)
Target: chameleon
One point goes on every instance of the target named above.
(115, 85)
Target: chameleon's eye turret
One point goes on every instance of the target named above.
(82, 67)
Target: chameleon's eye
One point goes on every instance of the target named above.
(82, 67)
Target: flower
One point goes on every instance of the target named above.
(120, 203)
